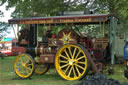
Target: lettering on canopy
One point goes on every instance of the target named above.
(52, 21)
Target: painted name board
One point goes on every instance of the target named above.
(51, 21)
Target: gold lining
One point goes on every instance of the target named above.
(36, 50)
(41, 49)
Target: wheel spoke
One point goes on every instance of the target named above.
(23, 71)
(74, 71)
(18, 66)
(29, 64)
(77, 54)
(63, 61)
(63, 66)
(70, 71)
(29, 69)
(64, 57)
(71, 39)
(78, 71)
(81, 62)
(69, 48)
(26, 60)
(66, 69)
(80, 66)
(74, 53)
(81, 57)
(63, 34)
(66, 54)
(21, 60)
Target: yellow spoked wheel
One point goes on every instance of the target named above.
(66, 38)
(71, 62)
(24, 65)
(41, 68)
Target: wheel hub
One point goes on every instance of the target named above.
(66, 38)
(24, 65)
(71, 62)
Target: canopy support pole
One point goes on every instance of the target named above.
(14, 32)
(112, 30)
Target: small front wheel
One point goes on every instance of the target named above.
(24, 65)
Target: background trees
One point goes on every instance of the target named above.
(4, 27)
(25, 8)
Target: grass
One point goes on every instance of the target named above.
(118, 73)
(7, 74)
(50, 78)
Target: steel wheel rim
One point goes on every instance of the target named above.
(71, 63)
(41, 68)
(23, 66)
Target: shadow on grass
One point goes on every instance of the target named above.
(48, 76)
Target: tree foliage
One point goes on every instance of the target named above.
(1, 13)
(115, 7)
(25, 8)
(4, 27)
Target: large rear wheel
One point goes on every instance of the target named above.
(71, 62)
(24, 65)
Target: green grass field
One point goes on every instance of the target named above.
(50, 78)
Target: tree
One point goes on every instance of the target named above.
(25, 8)
(1, 13)
(4, 27)
(115, 7)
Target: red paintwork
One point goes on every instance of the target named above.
(8, 53)
(18, 50)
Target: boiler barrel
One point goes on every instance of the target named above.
(34, 50)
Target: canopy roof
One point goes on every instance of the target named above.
(76, 19)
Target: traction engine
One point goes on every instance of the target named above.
(53, 49)
(72, 54)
